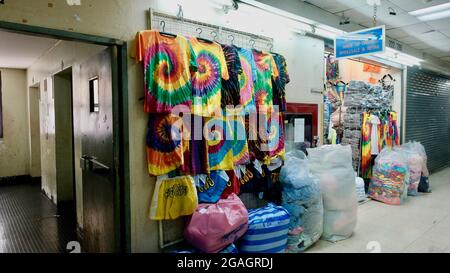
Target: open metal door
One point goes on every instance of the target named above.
(101, 225)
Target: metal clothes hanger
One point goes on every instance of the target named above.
(200, 30)
(162, 24)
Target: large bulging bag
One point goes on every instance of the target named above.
(302, 198)
(332, 165)
(213, 227)
(418, 170)
(390, 177)
(267, 232)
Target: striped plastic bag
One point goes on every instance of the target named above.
(267, 232)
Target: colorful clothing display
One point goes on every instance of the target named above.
(279, 83)
(196, 156)
(220, 143)
(207, 81)
(231, 88)
(366, 154)
(168, 66)
(276, 144)
(247, 79)
(165, 144)
(266, 70)
(241, 154)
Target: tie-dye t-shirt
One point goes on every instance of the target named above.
(169, 63)
(246, 79)
(266, 69)
(230, 88)
(165, 144)
(207, 81)
(220, 143)
(279, 83)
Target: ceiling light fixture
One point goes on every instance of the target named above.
(432, 13)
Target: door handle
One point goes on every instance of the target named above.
(90, 163)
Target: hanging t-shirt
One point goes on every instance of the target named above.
(375, 121)
(196, 157)
(169, 63)
(279, 83)
(266, 69)
(207, 81)
(220, 143)
(230, 88)
(276, 144)
(247, 79)
(240, 146)
(165, 144)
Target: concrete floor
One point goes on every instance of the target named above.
(422, 224)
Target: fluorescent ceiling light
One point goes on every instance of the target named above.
(432, 13)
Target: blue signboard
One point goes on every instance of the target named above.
(358, 43)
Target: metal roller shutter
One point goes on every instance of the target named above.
(428, 115)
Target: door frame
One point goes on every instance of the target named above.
(119, 68)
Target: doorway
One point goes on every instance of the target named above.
(102, 163)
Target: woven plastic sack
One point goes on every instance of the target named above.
(302, 198)
(332, 165)
(213, 227)
(267, 232)
(390, 177)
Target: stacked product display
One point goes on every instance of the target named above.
(369, 123)
(215, 131)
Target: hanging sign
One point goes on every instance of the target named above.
(362, 42)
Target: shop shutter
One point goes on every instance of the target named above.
(428, 115)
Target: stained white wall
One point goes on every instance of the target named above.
(34, 136)
(14, 155)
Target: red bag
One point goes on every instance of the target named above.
(213, 227)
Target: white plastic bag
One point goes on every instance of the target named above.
(360, 189)
(418, 170)
(302, 198)
(332, 164)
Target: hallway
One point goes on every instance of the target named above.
(420, 225)
(30, 222)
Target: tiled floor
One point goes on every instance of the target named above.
(31, 223)
(422, 224)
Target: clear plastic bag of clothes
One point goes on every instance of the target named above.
(332, 165)
(390, 177)
(302, 198)
(414, 150)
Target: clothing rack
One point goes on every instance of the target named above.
(170, 233)
(224, 35)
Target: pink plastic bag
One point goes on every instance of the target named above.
(213, 227)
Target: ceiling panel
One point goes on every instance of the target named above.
(397, 33)
(411, 5)
(417, 28)
(438, 53)
(432, 36)
(440, 24)
(446, 59)
(362, 14)
(421, 46)
(21, 51)
(445, 32)
(337, 5)
(410, 40)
